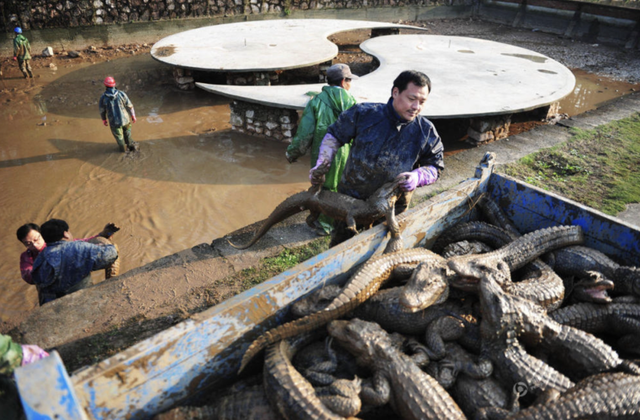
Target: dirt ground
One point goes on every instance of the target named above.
(90, 54)
(608, 61)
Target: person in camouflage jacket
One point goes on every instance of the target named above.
(12, 356)
(22, 53)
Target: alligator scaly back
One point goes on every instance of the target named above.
(339, 206)
(361, 286)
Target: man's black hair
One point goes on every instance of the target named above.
(24, 230)
(416, 77)
(335, 82)
(53, 230)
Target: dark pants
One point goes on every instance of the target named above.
(25, 68)
(10, 404)
(123, 136)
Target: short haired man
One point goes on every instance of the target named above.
(389, 140)
(322, 111)
(65, 265)
(29, 235)
(22, 53)
(116, 108)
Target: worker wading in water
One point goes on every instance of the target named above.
(117, 107)
(22, 53)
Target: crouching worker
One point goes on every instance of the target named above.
(117, 107)
(65, 265)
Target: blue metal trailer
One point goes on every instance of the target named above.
(204, 352)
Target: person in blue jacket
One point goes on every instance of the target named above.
(389, 140)
(117, 107)
(65, 265)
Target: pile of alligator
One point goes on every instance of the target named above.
(487, 324)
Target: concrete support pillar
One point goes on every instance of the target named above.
(486, 129)
(575, 20)
(520, 16)
(634, 37)
(279, 124)
(183, 79)
(546, 113)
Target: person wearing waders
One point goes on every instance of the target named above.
(322, 111)
(116, 106)
(22, 53)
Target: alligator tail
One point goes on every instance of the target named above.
(295, 204)
(299, 326)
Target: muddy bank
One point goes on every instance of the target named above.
(192, 180)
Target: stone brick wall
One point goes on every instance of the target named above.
(40, 14)
(259, 120)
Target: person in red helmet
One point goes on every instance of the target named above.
(117, 107)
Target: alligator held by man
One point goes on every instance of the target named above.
(339, 207)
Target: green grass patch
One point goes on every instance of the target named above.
(288, 258)
(598, 168)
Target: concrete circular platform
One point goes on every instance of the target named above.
(471, 77)
(265, 45)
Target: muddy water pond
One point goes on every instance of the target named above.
(192, 181)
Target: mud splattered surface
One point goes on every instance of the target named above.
(193, 180)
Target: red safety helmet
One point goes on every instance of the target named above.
(110, 82)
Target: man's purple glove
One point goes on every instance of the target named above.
(419, 177)
(32, 353)
(327, 152)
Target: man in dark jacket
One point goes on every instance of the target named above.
(22, 52)
(322, 111)
(389, 140)
(65, 265)
(116, 106)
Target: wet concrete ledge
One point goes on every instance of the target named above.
(91, 322)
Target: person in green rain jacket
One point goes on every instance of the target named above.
(322, 111)
(22, 53)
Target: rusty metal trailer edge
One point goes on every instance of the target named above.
(205, 351)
